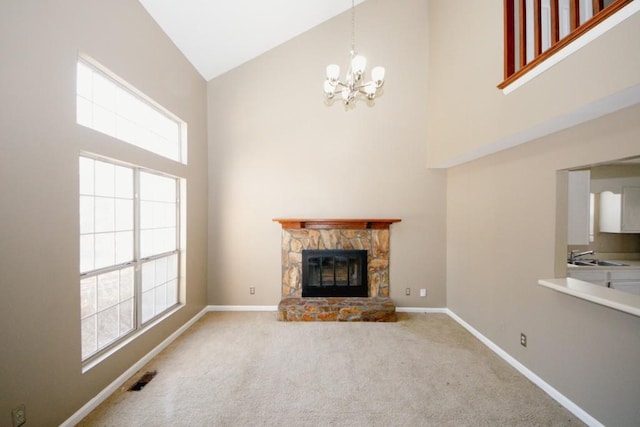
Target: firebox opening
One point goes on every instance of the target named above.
(334, 273)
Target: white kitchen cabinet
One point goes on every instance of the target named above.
(598, 277)
(620, 213)
(625, 280)
(578, 208)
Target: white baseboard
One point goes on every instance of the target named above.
(555, 394)
(107, 391)
(421, 310)
(242, 308)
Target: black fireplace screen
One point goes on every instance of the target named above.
(334, 273)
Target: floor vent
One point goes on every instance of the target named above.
(146, 378)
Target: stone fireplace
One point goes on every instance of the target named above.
(370, 235)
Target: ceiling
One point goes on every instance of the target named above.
(218, 35)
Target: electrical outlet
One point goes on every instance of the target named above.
(407, 291)
(423, 292)
(523, 339)
(252, 291)
(19, 415)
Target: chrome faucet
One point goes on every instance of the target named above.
(573, 255)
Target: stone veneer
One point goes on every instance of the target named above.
(298, 309)
(375, 241)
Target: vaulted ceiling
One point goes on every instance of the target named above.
(218, 35)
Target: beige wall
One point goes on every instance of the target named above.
(276, 150)
(40, 304)
(466, 44)
(502, 234)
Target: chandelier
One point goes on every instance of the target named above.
(353, 87)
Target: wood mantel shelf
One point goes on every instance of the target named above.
(325, 224)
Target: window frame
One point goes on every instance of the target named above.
(138, 261)
(145, 100)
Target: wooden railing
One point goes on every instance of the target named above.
(536, 29)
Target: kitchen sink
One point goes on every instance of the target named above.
(595, 262)
(612, 263)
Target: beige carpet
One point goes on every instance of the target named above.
(247, 369)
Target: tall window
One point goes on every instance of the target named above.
(107, 104)
(128, 250)
(536, 29)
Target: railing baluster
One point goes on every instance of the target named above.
(555, 22)
(516, 29)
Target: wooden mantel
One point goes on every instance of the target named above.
(325, 224)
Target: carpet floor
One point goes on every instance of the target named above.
(247, 369)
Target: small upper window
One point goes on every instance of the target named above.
(107, 104)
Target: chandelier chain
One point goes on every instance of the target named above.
(353, 26)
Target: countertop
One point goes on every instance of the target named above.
(625, 302)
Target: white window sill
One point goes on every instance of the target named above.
(96, 360)
(622, 301)
(591, 35)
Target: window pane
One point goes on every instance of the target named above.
(105, 215)
(146, 243)
(86, 175)
(161, 298)
(104, 250)
(108, 290)
(148, 275)
(164, 214)
(164, 240)
(126, 316)
(158, 216)
(104, 179)
(88, 297)
(172, 293)
(108, 327)
(172, 267)
(89, 336)
(124, 215)
(84, 112)
(124, 246)
(148, 304)
(104, 92)
(161, 270)
(86, 214)
(87, 253)
(146, 215)
(160, 290)
(126, 130)
(126, 283)
(124, 182)
(157, 188)
(104, 120)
